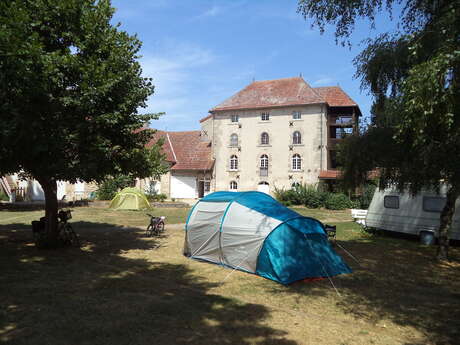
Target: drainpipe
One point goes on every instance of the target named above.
(321, 146)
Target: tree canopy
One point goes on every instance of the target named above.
(413, 74)
(70, 90)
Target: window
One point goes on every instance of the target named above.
(296, 162)
(233, 162)
(296, 115)
(340, 132)
(234, 140)
(343, 119)
(390, 201)
(264, 138)
(264, 161)
(433, 204)
(234, 118)
(265, 116)
(295, 185)
(233, 186)
(296, 138)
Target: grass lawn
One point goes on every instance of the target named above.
(122, 288)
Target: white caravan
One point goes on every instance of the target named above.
(419, 215)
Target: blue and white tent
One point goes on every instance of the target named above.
(252, 232)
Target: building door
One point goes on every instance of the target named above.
(183, 187)
(264, 187)
(200, 189)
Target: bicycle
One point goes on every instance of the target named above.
(66, 235)
(156, 226)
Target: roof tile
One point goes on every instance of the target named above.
(272, 93)
(335, 96)
(185, 150)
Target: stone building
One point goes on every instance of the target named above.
(277, 133)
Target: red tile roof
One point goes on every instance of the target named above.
(329, 174)
(336, 174)
(335, 96)
(272, 93)
(185, 150)
(167, 148)
(205, 118)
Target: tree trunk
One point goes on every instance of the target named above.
(49, 186)
(446, 222)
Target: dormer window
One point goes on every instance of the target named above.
(265, 116)
(234, 118)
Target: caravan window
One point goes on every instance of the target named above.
(391, 201)
(433, 204)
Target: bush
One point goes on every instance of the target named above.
(366, 198)
(111, 186)
(156, 197)
(281, 195)
(3, 196)
(338, 201)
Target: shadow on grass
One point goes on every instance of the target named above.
(398, 279)
(98, 295)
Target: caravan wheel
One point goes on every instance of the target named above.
(427, 238)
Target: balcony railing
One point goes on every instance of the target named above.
(263, 172)
(341, 120)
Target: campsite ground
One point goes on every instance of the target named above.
(123, 288)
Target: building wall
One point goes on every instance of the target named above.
(280, 128)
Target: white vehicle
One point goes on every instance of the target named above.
(419, 215)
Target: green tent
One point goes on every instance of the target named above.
(129, 199)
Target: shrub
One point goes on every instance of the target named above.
(301, 194)
(338, 201)
(3, 196)
(156, 197)
(111, 186)
(366, 198)
(281, 194)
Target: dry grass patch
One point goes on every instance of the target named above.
(122, 288)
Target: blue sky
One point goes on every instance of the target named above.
(201, 52)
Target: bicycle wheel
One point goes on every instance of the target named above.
(72, 236)
(149, 231)
(63, 234)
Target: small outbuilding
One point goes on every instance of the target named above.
(129, 199)
(252, 232)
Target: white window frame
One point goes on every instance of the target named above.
(234, 118)
(296, 138)
(233, 162)
(296, 115)
(264, 161)
(264, 139)
(265, 116)
(234, 140)
(296, 162)
(233, 186)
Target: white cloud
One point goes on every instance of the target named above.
(212, 12)
(173, 70)
(324, 81)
